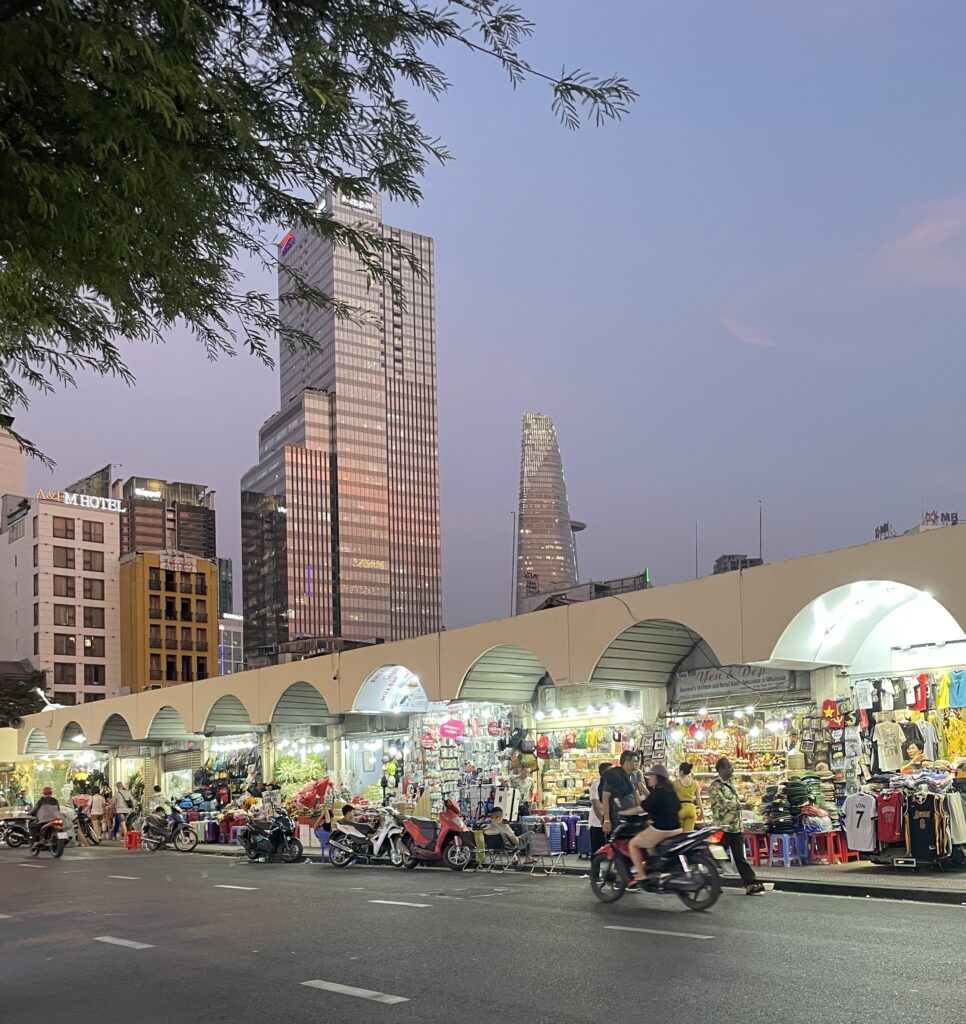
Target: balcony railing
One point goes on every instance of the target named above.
(156, 673)
(170, 585)
(186, 588)
(155, 641)
(154, 584)
(171, 645)
(201, 616)
(202, 645)
(202, 674)
(171, 677)
(171, 615)
(186, 645)
(187, 677)
(201, 588)
(154, 613)
(186, 615)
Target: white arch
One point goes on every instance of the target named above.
(649, 653)
(391, 688)
(506, 673)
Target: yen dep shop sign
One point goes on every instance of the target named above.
(452, 729)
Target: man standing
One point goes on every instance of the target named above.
(596, 816)
(157, 799)
(523, 784)
(726, 812)
(618, 790)
(123, 805)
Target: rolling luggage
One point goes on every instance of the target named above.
(583, 840)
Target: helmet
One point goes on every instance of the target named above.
(48, 791)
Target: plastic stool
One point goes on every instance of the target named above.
(801, 841)
(236, 833)
(133, 841)
(822, 848)
(756, 848)
(842, 854)
(783, 846)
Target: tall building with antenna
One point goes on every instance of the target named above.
(546, 557)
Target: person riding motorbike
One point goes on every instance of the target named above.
(45, 809)
(662, 807)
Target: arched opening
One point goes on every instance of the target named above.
(391, 689)
(36, 743)
(167, 724)
(72, 737)
(227, 715)
(649, 653)
(302, 704)
(116, 732)
(872, 626)
(506, 674)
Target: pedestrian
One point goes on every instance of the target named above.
(110, 815)
(596, 816)
(156, 799)
(124, 805)
(726, 811)
(96, 811)
(689, 793)
(24, 802)
(618, 790)
(523, 784)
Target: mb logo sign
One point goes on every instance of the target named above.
(90, 501)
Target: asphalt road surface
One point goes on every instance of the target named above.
(169, 938)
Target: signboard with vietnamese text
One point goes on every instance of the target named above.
(737, 681)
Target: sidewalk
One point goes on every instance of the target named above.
(856, 879)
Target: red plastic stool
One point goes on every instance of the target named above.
(822, 848)
(841, 852)
(133, 841)
(756, 848)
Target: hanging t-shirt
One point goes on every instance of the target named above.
(957, 689)
(942, 691)
(860, 830)
(863, 693)
(889, 739)
(957, 818)
(925, 826)
(922, 693)
(910, 686)
(930, 740)
(889, 823)
(887, 694)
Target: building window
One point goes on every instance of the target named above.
(63, 528)
(64, 675)
(156, 672)
(64, 615)
(66, 644)
(186, 673)
(93, 561)
(89, 698)
(93, 647)
(35, 526)
(202, 668)
(201, 609)
(37, 556)
(36, 644)
(95, 675)
(93, 533)
(93, 590)
(93, 618)
(170, 638)
(201, 586)
(63, 586)
(65, 697)
(185, 610)
(37, 615)
(171, 669)
(186, 637)
(154, 579)
(63, 557)
(36, 585)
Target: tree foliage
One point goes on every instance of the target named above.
(19, 697)
(147, 145)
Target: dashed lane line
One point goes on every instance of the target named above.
(657, 931)
(129, 943)
(359, 993)
(399, 903)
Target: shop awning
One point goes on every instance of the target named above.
(648, 654)
(506, 674)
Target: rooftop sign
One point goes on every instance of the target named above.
(90, 501)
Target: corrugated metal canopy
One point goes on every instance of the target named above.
(302, 704)
(115, 732)
(228, 713)
(67, 742)
(36, 743)
(507, 674)
(647, 654)
(167, 724)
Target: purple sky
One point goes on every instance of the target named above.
(752, 288)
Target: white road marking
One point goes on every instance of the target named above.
(5, 917)
(399, 903)
(656, 931)
(361, 993)
(32, 865)
(244, 888)
(111, 940)
(127, 878)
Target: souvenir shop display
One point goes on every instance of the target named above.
(574, 756)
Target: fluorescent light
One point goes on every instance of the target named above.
(79, 738)
(699, 735)
(754, 731)
(571, 712)
(677, 735)
(540, 716)
(702, 711)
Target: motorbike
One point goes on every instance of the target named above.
(52, 838)
(85, 826)
(266, 836)
(427, 841)
(356, 840)
(685, 865)
(156, 835)
(13, 832)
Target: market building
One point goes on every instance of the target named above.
(169, 629)
(808, 673)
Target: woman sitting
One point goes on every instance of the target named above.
(664, 808)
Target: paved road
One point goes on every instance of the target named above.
(221, 940)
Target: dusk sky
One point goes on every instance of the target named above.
(754, 287)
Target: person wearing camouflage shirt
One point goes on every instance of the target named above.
(726, 812)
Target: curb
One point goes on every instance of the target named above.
(794, 885)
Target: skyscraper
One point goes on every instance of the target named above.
(340, 517)
(546, 546)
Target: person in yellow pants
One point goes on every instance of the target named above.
(689, 793)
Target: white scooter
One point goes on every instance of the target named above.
(356, 840)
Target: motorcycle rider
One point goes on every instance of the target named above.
(662, 806)
(618, 792)
(45, 809)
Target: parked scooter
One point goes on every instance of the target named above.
(13, 832)
(426, 841)
(356, 840)
(51, 838)
(685, 865)
(267, 836)
(158, 832)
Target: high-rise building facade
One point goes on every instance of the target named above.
(159, 515)
(59, 593)
(340, 517)
(546, 546)
(231, 644)
(226, 587)
(169, 624)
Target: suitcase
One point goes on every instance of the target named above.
(211, 831)
(509, 800)
(573, 824)
(555, 836)
(583, 840)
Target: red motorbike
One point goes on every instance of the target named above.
(426, 841)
